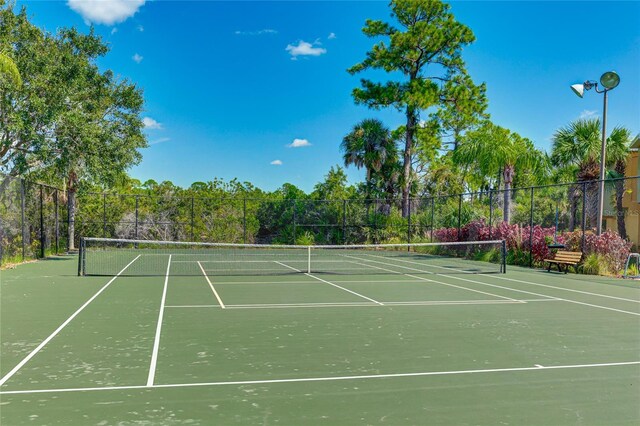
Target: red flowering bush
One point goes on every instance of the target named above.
(608, 245)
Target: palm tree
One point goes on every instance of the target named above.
(369, 145)
(579, 145)
(618, 144)
(492, 149)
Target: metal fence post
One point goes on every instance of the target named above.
(433, 215)
(531, 232)
(57, 225)
(104, 215)
(244, 220)
(459, 215)
(490, 213)
(22, 202)
(136, 225)
(193, 233)
(409, 222)
(584, 215)
(344, 221)
(294, 220)
(42, 234)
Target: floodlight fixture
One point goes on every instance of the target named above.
(609, 80)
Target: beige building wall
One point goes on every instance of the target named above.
(630, 201)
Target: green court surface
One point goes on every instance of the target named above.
(417, 346)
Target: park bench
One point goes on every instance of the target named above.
(566, 259)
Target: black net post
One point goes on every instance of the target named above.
(42, 234)
(504, 256)
(531, 231)
(81, 256)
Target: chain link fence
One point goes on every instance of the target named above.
(35, 218)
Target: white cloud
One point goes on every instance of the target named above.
(276, 163)
(305, 49)
(151, 124)
(256, 33)
(114, 30)
(157, 141)
(299, 143)
(586, 114)
(137, 58)
(140, 28)
(106, 12)
(331, 36)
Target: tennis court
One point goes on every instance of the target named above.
(366, 337)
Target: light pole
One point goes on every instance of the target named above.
(609, 80)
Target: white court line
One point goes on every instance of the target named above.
(259, 282)
(63, 325)
(523, 282)
(215, 293)
(570, 289)
(156, 342)
(428, 280)
(353, 304)
(330, 283)
(536, 367)
(516, 290)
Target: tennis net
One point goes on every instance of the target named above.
(104, 256)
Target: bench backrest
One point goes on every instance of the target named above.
(568, 256)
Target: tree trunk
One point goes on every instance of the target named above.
(621, 169)
(593, 190)
(71, 200)
(508, 173)
(408, 151)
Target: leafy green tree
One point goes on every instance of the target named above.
(425, 50)
(491, 149)
(99, 131)
(28, 112)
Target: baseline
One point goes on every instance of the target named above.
(536, 367)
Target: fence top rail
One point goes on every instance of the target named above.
(186, 197)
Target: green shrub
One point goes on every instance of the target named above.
(306, 239)
(595, 264)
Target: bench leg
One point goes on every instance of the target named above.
(549, 268)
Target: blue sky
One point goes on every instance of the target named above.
(259, 90)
